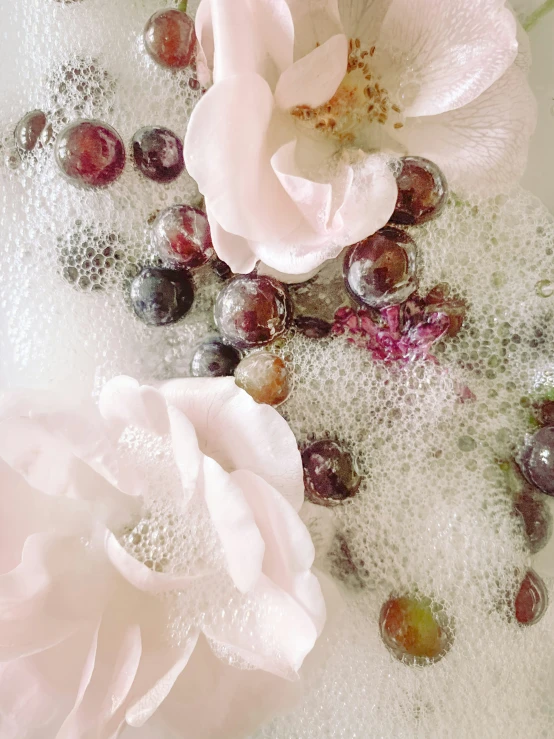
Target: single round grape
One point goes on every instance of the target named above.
(90, 153)
(214, 358)
(312, 328)
(252, 310)
(158, 153)
(32, 130)
(415, 630)
(422, 192)
(265, 377)
(532, 600)
(161, 296)
(381, 270)
(535, 514)
(170, 39)
(544, 412)
(183, 233)
(537, 460)
(329, 474)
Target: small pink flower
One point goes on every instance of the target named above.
(310, 98)
(406, 332)
(138, 545)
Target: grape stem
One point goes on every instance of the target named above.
(182, 6)
(538, 15)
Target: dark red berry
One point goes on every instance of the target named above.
(90, 153)
(161, 296)
(329, 474)
(532, 599)
(381, 270)
(422, 192)
(183, 233)
(252, 310)
(158, 153)
(170, 39)
(214, 358)
(532, 507)
(544, 412)
(537, 460)
(32, 130)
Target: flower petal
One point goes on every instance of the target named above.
(314, 79)
(362, 198)
(216, 701)
(246, 37)
(45, 599)
(289, 551)
(240, 433)
(227, 149)
(235, 251)
(448, 53)
(315, 21)
(264, 269)
(482, 148)
(125, 402)
(362, 18)
(274, 616)
(233, 520)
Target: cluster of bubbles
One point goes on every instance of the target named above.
(433, 513)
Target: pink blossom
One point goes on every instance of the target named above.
(146, 549)
(291, 145)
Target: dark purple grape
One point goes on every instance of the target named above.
(161, 296)
(252, 310)
(381, 270)
(537, 460)
(214, 358)
(182, 232)
(532, 600)
(90, 153)
(158, 153)
(32, 130)
(170, 39)
(544, 412)
(535, 514)
(329, 474)
(313, 328)
(221, 269)
(422, 192)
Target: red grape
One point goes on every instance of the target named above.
(532, 600)
(182, 232)
(537, 460)
(32, 130)
(381, 270)
(170, 39)
(252, 310)
(90, 153)
(158, 153)
(214, 358)
(422, 192)
(329, 475)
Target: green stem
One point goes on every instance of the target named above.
(183, 5)
(538, 15)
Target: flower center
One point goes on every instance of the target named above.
(360, 102)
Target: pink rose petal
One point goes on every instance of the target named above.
(481, 148)
(453, 50)
(314, 79)
(240, 433)
(242, 542)
(227, 150)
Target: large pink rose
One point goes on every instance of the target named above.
(290, 145)
(146, 551)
